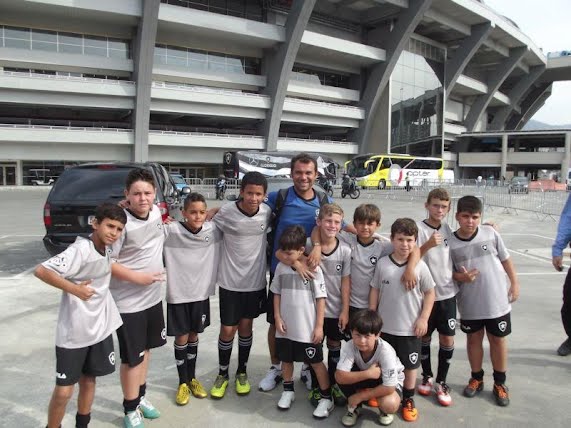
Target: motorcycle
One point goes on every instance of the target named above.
(220, 188)
(326, 184)
(349, 187)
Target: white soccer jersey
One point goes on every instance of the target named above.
(297, 305)
(243, 256)
(399, 307)
(392, 370)
(191, 261)
(487, 296)
(364, 258)
(140, 248)
(84, 323)
(335, 266)
(438, 259)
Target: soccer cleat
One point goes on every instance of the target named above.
(338, 396)
(183, 394)
(409, 412)
(147, 409)
(385, 419)
(426, 386)
(242, 384)
(272, 378)
(305, 376)
(314, 397)
(502, 395)
(133, 419)
(197, 389)
(324, 407)
(442, 391)
(286, 399)
(350, 418)
(474, 386)
(565, 348)
(219, 388)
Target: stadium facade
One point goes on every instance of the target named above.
(180, 82)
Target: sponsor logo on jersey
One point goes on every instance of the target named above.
(59, 260)
(61, 375)
(322, 287)
(385, 282)
(310, 352)
(390, 372)
(373, 260)
(452, 323)
(413, 357)
(338, 267)
(502, 325)
(484, 247)
(164, 333)
(112, 358)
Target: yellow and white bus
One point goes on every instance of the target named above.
(385, 170)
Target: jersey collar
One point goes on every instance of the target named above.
(432, 227)
(395, 262)
(467, 239)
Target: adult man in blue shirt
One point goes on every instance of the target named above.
(562, 240)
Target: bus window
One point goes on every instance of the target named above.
(371, 165)
(386, 163)
(402, 162)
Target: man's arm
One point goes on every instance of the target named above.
(563, 236)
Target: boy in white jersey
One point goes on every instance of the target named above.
(433, 238)
(369, 368)
(405, 312)
(299, 309)
(481, 261)
(87, 317)
(191, 255)
(136, 288)
(241, 277)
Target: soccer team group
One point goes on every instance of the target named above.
(330, 281)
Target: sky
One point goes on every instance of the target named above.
(546, 23)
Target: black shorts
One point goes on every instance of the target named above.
(93, 360)
(141, 331)
(289, 351)
(499, 327)
(407, 349)
(350, 389)
(237, 305)
(183, 318)
(332, 331)
(443, 317)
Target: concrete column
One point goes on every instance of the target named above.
(504, 161)
(143, 50)
(19, 173)
(566, 158)
(381, 126)
(279, 65)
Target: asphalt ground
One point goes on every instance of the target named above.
(538, 378)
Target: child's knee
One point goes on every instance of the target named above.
(389, 403)
(62, 394)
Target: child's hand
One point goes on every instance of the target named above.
(343, 321)
(83, 290)
(513, 293)
(468, 275)
(280, 325)
(304, 270)
(123, 203)
(374, 372)
(435, 239)
(317, 336)
(168, 220)
(420, 327)
(314, 257)
(409, 279)
(148, 278)
(354, 400)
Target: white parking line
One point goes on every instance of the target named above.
(531, 256)
(528, 234)
(540, 273)
(21, 236)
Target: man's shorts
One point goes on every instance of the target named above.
(93, 360)
(499, 327)
(332, 331)
(443, 317)
(407, 349)
(289, 351)
(141, 331)
(237, 305)
(183, 318)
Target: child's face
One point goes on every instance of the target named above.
(330, 225)
(437, 209)
(252, 196)
(364, 342)
(366, 229)
(195, 214)
(108, 231)
(468, 222)
(141, 197)
(292, 255)
(403, 244)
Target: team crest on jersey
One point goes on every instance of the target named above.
(502, 325)
(452, 323)
(373, 260)
(160, 225)
(445, 242)
(112, 358)
(206, 238)
(310, 352)
(338, 267)
(164, 334)
(413, 357)
(262, 226)
(59, 260)
(305, 281)
(484, 247)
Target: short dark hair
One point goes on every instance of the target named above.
(469, 204)
(256, 178)
(406, 226)
(303, 158)
(366, 321)
(367, 213)
(438, 193)
(139, 174)
(292, 238)
(110, 211)
(193, 197)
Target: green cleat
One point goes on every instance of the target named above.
(242, 384)
(219, 388)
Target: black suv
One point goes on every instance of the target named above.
(71, 203)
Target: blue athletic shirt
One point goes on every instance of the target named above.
(295, 211)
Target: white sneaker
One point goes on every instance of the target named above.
(286, 399)
(271, 379)
(386, 419)
(305, 376)
(324, 407)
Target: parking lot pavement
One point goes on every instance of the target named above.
(538, 378)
